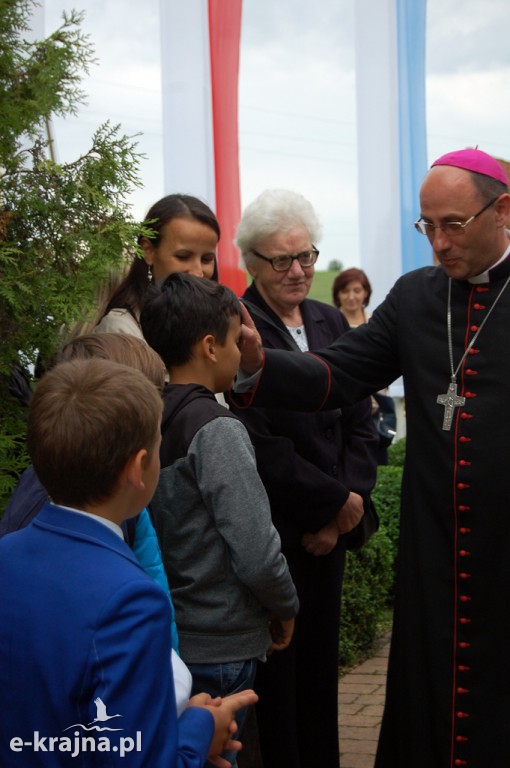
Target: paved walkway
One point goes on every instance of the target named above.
(361, 700)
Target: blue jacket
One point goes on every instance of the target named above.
(28, 499)
(147, 552)
(85, 633)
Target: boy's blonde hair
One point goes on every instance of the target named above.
(119, 347)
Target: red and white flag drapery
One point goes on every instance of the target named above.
(200, 42)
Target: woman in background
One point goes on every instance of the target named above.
(351, 295)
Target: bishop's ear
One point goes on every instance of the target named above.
(503, 208)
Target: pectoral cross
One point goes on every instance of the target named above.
(451, 400)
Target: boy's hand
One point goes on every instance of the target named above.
(224, 711)
(252, 354)
(204, 699)
(281, 633)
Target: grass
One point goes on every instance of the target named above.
(321, 286)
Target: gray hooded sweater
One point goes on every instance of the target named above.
(220, 549)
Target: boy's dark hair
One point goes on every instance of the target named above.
(87, 418)
(184, 310)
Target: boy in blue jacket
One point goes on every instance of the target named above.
(29, 496)
(84, 633)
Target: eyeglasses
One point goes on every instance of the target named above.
(284, 263)
(451, 228)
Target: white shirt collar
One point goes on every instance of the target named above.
(108, 523)
(483, 277)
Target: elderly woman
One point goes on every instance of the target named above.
(318, 471)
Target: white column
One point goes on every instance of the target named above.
(186, 95)
(378, 143)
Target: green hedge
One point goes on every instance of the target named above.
(368, 586)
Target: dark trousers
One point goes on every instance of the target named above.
(297, 713)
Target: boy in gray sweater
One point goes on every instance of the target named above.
(232, 591)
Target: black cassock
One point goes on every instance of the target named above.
(448, 694)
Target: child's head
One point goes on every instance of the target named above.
(87, 419)
(118, 347)
(183, 311)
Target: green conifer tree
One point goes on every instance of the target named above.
(63, 227)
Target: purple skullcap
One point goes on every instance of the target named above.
(474, 160)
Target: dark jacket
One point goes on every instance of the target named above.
(309, 462)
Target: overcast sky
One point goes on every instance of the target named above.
(297, 119)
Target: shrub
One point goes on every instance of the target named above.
(386, 498)
(368, 587)
(367, 583)
(397, 452)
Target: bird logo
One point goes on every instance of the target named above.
(102, 716)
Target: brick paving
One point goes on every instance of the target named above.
(361, 699)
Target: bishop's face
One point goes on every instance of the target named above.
(449, 194)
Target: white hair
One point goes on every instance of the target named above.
(274, 211)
